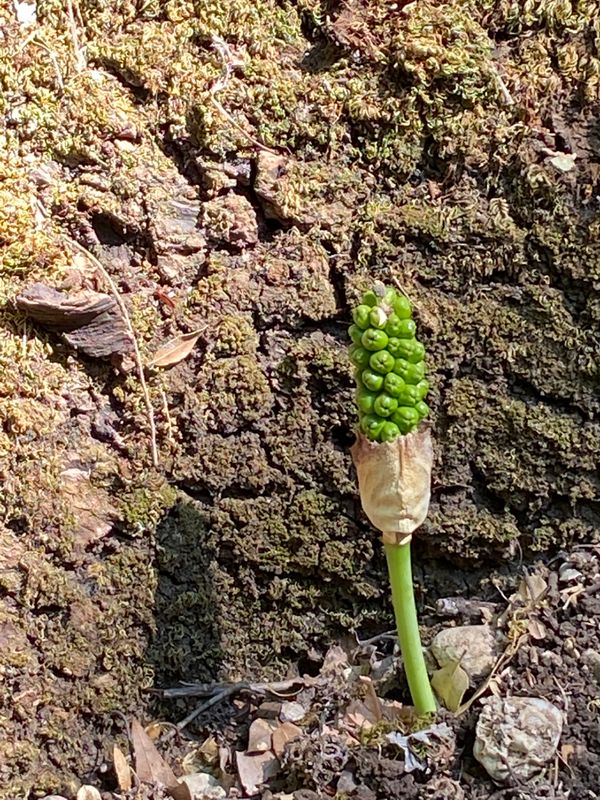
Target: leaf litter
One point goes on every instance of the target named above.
(349, 720)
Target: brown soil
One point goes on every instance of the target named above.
(245, 173)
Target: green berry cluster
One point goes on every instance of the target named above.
(390, 367)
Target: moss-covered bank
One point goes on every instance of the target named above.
(258, 164)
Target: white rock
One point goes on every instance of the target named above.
(292, 712)
(203, 786)
(88, 793)
(517, 736)
(473, 645)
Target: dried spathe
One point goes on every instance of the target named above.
(394, 480)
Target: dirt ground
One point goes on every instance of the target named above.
(241, 171)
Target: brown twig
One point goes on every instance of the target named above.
(136, 350)
(217, 692)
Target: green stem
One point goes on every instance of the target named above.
(405, 610)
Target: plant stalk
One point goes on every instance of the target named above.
(405, 611)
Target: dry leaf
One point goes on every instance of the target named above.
(450, 683)
(149, 764)
(566, 751)
(122, 770)
(154, 730)
(175, 350)
(531, 589)
(394, 481)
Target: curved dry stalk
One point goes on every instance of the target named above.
(136, 350)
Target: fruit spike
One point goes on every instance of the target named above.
(390, 366)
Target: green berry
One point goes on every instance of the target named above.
(405, 418)
(389, 432)
(371, 426)
(365, 400)
(394, 326)
(402, 307)
(418, 352)
(411, 373)
(409, 396)
(359, 356)
(394, 346)
(404, 348)
(393, 384)
(355, 333)
(378, 318)
(385, 405)
(405, 329)
(422, 388)
(360, 315)
(373, 339)
(372, 380)
(370, 299)
(382, 362)
(423, 409)
(390, 366)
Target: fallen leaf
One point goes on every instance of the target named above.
(149, 764)
(122, 770)
(450, 682)
(175, 350)
(531, 589)
(154, 730)
(336, 660)
(566, 751)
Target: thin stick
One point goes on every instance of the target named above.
(197, 711)
(136, 350)
(79, 59)
(207, 689)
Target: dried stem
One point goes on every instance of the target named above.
(136, 349)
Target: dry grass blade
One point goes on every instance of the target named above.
(136, 350)
(175, 350)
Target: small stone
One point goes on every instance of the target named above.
(203, 786)
(474, 646)
(592, 660)
(254, 770)
(260, 734)
(269, 710)
(285, 733)
(88, 793)
(346, 783)
(517, 736)
(441, 787)
(292, 712)
(53, 797)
